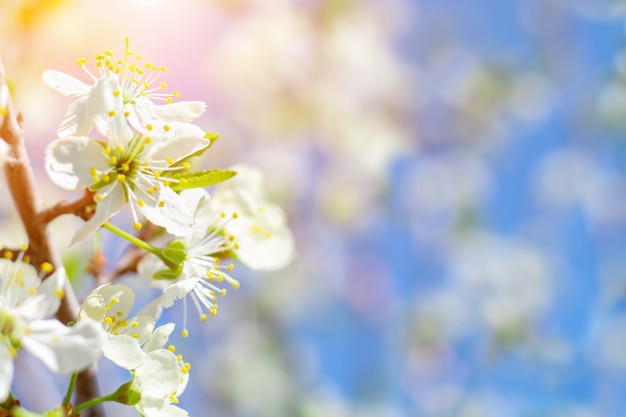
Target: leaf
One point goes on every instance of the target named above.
(197, 179)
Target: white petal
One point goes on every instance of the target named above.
(150, 265)
(178, 290)
(65, 349)
(159, 337)
(65, 84)
(93, 307)
(140, 114)
(153, 308)
(164, 410)
(158, 376)
(103, 104)
(124, 351)
(119, 298)
(173, 215)
(265, 241)
(200, 203)
(105, 209)
(182, 111)
(183, 140)
(76, 122)
(46, 301)
(246, 186)
(69, 161)
(6, 373)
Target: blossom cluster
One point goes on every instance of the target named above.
(126, 140)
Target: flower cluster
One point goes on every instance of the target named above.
(26, 303)
(126, 141)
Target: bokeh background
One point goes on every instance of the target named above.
(453, 172)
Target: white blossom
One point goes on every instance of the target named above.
(264, 238)
(110, 305)
(160, 380)
(201, 271)
(122, 92)
(136, 169)
(26, 303)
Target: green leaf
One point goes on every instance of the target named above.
(197, 179)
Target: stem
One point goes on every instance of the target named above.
(21, 183)
(78, 207)
(132, 239)
(95, 401)
(70, 390)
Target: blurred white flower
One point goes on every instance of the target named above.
(260, 229)
(508, 282)
(26, 302)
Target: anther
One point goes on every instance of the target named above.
(47, 267)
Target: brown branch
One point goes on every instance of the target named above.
(22, 186)
(81, 208)
(126, 264)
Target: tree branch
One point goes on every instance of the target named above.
(22, 186)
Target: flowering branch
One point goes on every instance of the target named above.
(181, 235)
(22, 186)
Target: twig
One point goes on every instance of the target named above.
(81, 208)
(22, 186)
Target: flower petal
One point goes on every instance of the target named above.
(124, 351)
(76, 121)
(65, 349)
(46, 301)
(200, 202)
(182, 111)
(159, 337)
(178, 290)
(104, 104)
(169, 211)
(158, 377)
(65, 83)
(110, 205)
(69, 161)
(6, 372)
(183, 140)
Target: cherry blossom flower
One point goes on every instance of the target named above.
(109, 305)
(135, 169)
(265, 241)
(26, 302)
(159, 375)
(122, 91)
(201, 272)
(160, 380)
